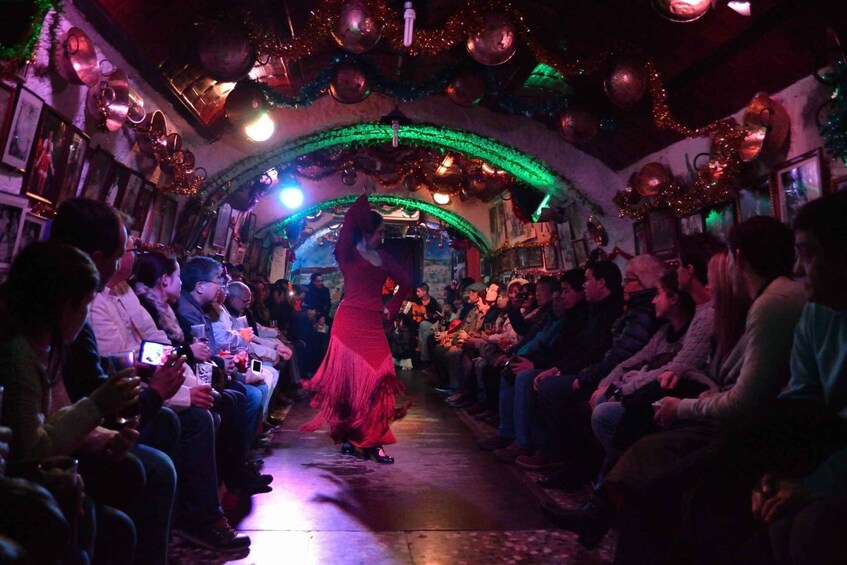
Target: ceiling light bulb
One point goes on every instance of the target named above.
(260, 130)
(441, 198)
(742, 8)
(291, 197)
(409, 29)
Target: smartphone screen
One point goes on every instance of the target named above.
(153, 353)
(256, 366)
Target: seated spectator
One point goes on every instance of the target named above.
(659, 466)
(564, 391)
(45, 301)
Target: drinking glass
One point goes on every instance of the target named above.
(114, 364)
(198, 332)
(274, 324)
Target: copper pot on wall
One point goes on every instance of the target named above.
(152, 132)
(651, 179)
(76, 59)
(766, 125)
(108, 100)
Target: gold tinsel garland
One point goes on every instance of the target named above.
(715, 181)
(466, 20)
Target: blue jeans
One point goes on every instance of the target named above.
(517, 407)
(195, 463)
(153, 516)
(605, 419)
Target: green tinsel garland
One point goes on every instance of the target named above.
(834, 131)
(23, 49)
(453, 220)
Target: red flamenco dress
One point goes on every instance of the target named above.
(356, 384)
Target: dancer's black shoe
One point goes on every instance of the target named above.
(347, 448)
(377, 454)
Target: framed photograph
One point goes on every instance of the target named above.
(798, 181)
(719, 219)
(72, 162)
(248, 228)
(506, 262)
(551, 257)
(663, 235)
(692, 224)
(18, 144)
(99, 171)
(580, 251)
(45, 164)
(838, 184)
(168, 208)
(142, 206)
(496, 223)
(219, 238)
(563, 230)
(641, 236)
(33, 230)
(755, 199)
(530, 257)
(12, 216)
(129, 195)
(116, 185)
(7, 108)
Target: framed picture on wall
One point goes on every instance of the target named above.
(117, 185)
(142, 206)
(33, 230)
(130, 193)
(551, 257)
(563, 230)
(12, 217)
(495, 222)
(580, 251)
(22, 127)
(7, 108)
(46, 158)
(530, 257)
(838, 184)
(755, 199)
(692, 224)
(641, 235)
(219, 238)
(506, 263)
(663, 235)
(168, 215)
(798, 181)
(248, 228)
(99, 171)
(74, 158)
(719, 219)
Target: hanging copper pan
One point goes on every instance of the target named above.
(766, 125)
(651, 179)
(76, 59)
(171, 153)
(108, 100)
(152, 132)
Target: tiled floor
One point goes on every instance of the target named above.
(443, 502)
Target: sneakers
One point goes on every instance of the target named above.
(218, 536)
(537, 462)
(494, 442)
(509, 453)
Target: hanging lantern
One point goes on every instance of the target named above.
(578, 125)
(356, 30)
(349, 84)
(495, 43)
(682, 11)
(466, 88)
(627, 81)
(226, 54)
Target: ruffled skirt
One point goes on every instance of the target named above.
(355, 386)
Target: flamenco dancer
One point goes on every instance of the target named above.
(355, 385)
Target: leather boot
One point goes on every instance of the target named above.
(591, 521)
